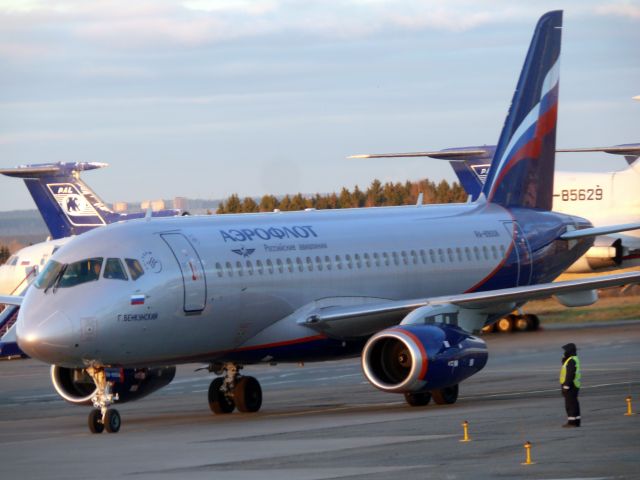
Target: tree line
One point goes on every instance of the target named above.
(377, 195)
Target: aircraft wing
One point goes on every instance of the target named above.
(10, 300)
(362, 320)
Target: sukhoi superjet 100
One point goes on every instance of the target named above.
(405, 288)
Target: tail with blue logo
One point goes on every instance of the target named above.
(67, 205)
(521, 174)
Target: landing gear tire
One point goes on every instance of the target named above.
(248, 395)
(112, 421)
(95, 421)
(533, 322)
(505, 324)
(418, 399)
(521, 323)
(219, 403)
(445, 396)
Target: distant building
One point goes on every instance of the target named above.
(180, 203)
(155, 205)
(120, 206)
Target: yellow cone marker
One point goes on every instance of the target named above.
(465, 429)
(629, 408)
(527, 448)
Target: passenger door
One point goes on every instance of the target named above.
(194, 281)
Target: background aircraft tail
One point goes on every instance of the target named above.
(67, 205)
(521, 174)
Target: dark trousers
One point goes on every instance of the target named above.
(572, 405)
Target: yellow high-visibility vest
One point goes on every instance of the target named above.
(563, 371)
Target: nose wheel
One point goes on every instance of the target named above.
(233, 390)
(102, 417)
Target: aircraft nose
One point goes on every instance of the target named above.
(49, 338)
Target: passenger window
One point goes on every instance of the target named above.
(441, 255)
(476, 252)
(423, 256)
(259, 267)
(348, 260)
(432, 256)
(485, 252)
(396, 259)
(339, 262)
(280, 267)
(229, 269)
(135, 269)
(270, 265)
(249, 266)
(319, 264)
(81, 272)
(114, 270)
(467, 252)
(327, 262)
(300, 264)
(289, 265)
(450, 255)
(459, 254)
(239, 268)
(386, 259)
(219, 269)
(414, 257)
(376, 258)
(367, 260)
(502, 251)
(358, 262)
(309, 264)
(494, 251)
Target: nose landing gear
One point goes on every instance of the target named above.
(102, 417)
(233, 390)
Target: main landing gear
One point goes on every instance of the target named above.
(233, 390)
(102, 417)
(514, 323)
(442, 396)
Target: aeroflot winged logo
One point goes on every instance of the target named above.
(244, 252)
(74, 205)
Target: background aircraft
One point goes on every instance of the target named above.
(116, 307)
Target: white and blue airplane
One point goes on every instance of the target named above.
(405, 287)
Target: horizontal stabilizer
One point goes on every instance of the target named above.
(596, 231)
(450, 154)
(50, 169)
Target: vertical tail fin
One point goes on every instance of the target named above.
(521, 174)
(67, 205)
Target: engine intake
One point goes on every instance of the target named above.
(76, 386)
(415, 358)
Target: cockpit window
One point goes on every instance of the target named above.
(12, 260)
(83, 271)
(113, 269)
(135, 269)
(48, 275)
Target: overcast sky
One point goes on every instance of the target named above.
(207, 98)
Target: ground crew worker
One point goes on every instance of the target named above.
(570, 381)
